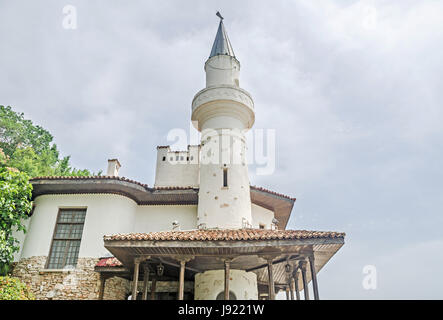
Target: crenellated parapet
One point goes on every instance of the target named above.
(177, 168)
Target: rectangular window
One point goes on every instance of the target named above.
(225, 177)
(67, 237)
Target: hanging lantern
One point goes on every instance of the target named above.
(288, 268)
(160, 269)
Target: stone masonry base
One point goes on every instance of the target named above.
(81, 283)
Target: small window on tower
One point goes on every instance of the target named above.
(225, 177)
(164, 158)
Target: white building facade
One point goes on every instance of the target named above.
(201, 232)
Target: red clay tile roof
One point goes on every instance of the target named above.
(88, 178)
(175, 188)
(109, 262)
(145, 185)
(272, 192)
(226, 235)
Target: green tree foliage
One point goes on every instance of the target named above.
(15, 205)
(16, 131)
(26, 150)
(14, 289)
(29, 148)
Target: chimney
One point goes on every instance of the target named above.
(113, 166)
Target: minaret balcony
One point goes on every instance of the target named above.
(223, 99)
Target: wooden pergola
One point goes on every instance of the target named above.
(282, 259)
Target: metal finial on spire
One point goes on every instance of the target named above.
(218, 14)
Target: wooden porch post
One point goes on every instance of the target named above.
(314, 276)
(305, 280)
(287, 292)
(227, 272)
(101, 291)
(271, 286)
(292, 287)
(181, 286)
(145, 283)
(297, 290)
(153, 287)
(135, 279)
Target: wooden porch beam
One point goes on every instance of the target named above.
(297, 289)
(227, 275)
(172, 264)
(314, 277)
(181, 286)
(292, 287)
(274, 262)
(271, 285)
(145, 283)
(305, 280)
(135, 279)
(153, 288)
(101, 291)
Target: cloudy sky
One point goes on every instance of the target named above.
(352, 88)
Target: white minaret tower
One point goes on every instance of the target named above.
(223, 112)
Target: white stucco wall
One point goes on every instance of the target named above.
(20, 236)
(223, 112)
(105, 214)
(177, 168)
(261, 215)
(159, 218)
(222, 69)
(224, 206)
(210, 283)
(108, 214)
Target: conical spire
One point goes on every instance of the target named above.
(221, 43)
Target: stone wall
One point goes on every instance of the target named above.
(81, 283)
(116, 288)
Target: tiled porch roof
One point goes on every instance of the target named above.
(226, 235)
(109, 262)
(272, 192)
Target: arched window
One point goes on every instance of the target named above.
(221, 296)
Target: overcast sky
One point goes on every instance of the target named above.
(352, 88)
